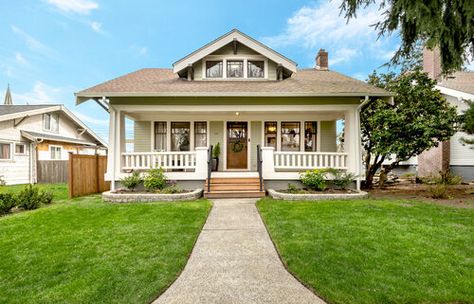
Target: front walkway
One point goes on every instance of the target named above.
(234, 261)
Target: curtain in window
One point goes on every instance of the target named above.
(180, 140)
(200, 134)
(5, 151)
(290, 136)
(160, 136)
(310, 134)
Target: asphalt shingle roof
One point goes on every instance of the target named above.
(459, 81)
(158, 81)
(13, 109)
(55, 137)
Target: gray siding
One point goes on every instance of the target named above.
(216, 135)
(142, 136)
(328, 136)
(229, 49)
(255, 139)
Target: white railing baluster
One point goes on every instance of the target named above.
(309, 160)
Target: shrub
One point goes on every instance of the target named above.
(216, 151)
(155, 179)
(292, 188)
(132, 181)
(341, 179)
(438, 191)
(2, 181)
(7, 202)
(30, 198)
(447, 178)
(315, 180)
(171, 190)
(46, 197)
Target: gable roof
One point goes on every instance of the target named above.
(228, 38)
(31, 135)
(9, 112)
(462, 81)
(163, 82)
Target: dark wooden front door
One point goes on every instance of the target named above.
(237, 145)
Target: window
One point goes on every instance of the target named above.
(290, 136)
(270, 134)
(55, 152)
(160, 136)
(200, 134)
(20, 149)
(214, 69)
(5, 151)
(310, 135)
(180, 136)
(51, 122)
(255, 69)
(235, 69)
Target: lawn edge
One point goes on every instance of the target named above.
(187, 258)
(306, 285)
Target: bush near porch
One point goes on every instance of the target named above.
(376, 251)
(87, 251)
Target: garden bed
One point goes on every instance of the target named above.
(129, 197)
(305, 195)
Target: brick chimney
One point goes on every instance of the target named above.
(432, 63)
(322, 60)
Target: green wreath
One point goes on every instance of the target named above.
(237, 147)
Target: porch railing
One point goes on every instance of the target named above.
(165, 160)
(309, 160)
(209, 168)
(259, 166)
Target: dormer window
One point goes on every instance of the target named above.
(255, 69)
(235, 69)
(214, 69)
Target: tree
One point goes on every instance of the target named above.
(447, 24)
(467, 126)
(418, 120)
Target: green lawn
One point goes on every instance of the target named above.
(87, 251)
(376, 251)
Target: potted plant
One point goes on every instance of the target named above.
(216, 152)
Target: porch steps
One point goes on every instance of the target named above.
(244, 187)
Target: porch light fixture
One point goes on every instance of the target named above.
(237, 113)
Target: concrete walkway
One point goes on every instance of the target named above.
(234, 261)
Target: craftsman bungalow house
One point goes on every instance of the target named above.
(239, 93)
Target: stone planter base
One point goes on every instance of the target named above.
(150, 197)
(316, 197)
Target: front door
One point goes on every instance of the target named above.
(237, 145)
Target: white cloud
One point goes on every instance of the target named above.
(40, 94)
(96, 26)
(20, 59)
(89, 119)
(139, 50)
(322, 26)
(75, 6)
(32, 43)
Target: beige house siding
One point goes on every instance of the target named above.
(272, 67)
(142, 136)
(216, 135)
(328, 136)
(197, 68)
(255, 139)
(229, 50)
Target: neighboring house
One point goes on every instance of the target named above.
(33, 133)
(240, 93)
(453, 155)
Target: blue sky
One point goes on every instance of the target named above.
(50, 49)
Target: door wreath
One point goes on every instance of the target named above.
(237, 146)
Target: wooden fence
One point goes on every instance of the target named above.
(86, 174)
(52, 171)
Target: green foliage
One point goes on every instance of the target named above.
(314, 180)
(438, 191)
(154, 179)
(418, 120)
(216, 151)
(46, 197)
(292, 188)
(7, 202)
(172, 189)
(30, 197)
(467, 126)
(341, 179)
(132, 181)
(443, 178)
(2, 181)
(446, 24)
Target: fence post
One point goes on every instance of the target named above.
(70, 179)
(97, 172)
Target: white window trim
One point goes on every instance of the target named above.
(60, 152)
(243, 58)
(278, 140)
(249, 145)
(168, 133)
(11, 151)
(50, 115)
(24, 149)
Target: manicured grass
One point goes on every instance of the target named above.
(59, 190)
(87, 251)
(376, 251)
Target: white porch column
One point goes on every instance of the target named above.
(119, 141)
(352, 143)
(201, 162)
(110, 174)
(268, 164)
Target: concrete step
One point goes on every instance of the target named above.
(234, 194)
